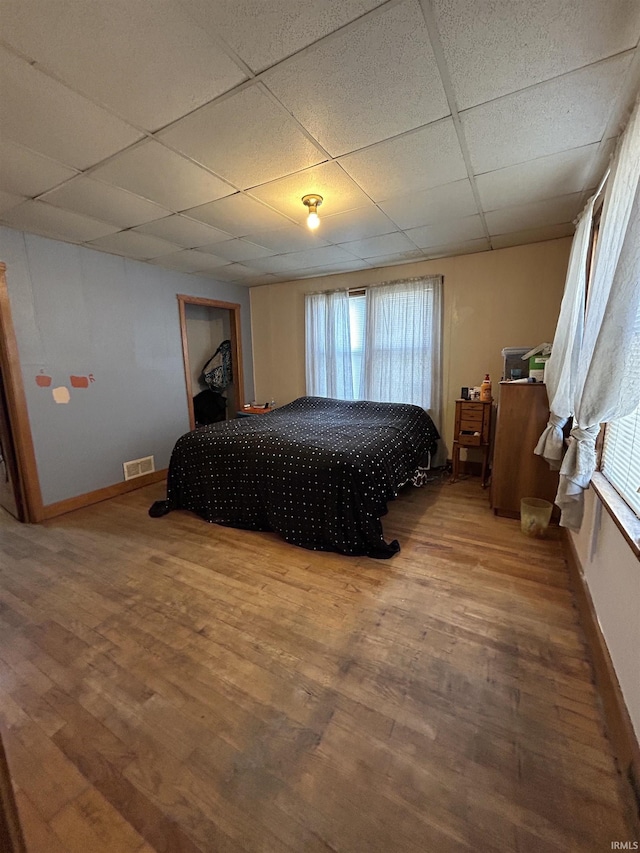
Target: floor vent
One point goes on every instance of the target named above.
(138, 467)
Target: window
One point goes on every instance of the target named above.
(379, 344)
(621, 457)
(620, 462)
(357, 317)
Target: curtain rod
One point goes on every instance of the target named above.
(379, 284)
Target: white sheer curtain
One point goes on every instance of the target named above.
(402, 361)
(608, 377)
(562, 368)
(328, 345)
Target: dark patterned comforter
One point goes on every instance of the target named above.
(318, 471)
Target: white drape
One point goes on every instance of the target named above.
(402, 361)
(562, 368)
(328, 345)
(607, 382)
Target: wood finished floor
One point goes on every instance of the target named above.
(168, 685)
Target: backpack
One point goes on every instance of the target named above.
(216, 373)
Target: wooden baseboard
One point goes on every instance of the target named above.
(80, 501)
(619, 727)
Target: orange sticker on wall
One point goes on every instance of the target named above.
(81, 381)
(42, 380)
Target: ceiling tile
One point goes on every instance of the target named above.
(397, 258)
(567, 112)
(253, 281)
(155, 172)
(557, 174)
(43, 115)
(331, 269)
(180, 261)
(147, 61)
(259, 280)
(451, 249)
(239, 250)
(533, 235)
(27, 173)
(134, 245)
(9, 200)
(357, 224)
(418, 160)
(104, 202)
(64, 225)
(295, 238)
(427, 207)
(338, 191)
(498, 47)
(239, 273)
(190, 260)
(246, 138)
(237, 214)
(183, 231)
(551, 212)
(386, 244)
(286, 26)
(447, 231)
(601, 161)
(374, 79)
(301, 260)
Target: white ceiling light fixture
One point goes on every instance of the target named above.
(313, 202)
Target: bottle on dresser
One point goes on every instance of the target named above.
(485, 389)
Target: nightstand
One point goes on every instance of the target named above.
(472, 429)
(252, 410)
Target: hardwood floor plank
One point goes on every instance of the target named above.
(39, 837)
(173, 686)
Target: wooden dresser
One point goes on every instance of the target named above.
(472, 429)
(523, 412)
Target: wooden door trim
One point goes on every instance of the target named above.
(235, 337)
(29, 483)
(11, 837)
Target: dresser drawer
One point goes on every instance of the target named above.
(472, 414)
(467, 408)
(469, 440)
(469, 424)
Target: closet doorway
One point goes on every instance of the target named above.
(204, 325)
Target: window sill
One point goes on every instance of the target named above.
(623, 516)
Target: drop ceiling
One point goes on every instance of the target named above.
(184, 133)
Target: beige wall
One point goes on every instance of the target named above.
(612, 573)
(503, 298)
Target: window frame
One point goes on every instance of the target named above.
(623, 516)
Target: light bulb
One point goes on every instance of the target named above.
(312, 201)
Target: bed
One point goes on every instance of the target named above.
(319, 472)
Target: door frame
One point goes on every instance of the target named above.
(235, 336)
(28, 483)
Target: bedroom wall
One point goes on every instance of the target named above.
(114, 321)
(502, 298)
(612, 573)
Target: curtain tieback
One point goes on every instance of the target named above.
(585, 434)
(550, 443)
(579, 461)
(556, 421)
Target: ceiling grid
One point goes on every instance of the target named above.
(162, 131)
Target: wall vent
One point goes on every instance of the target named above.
(138, 467)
